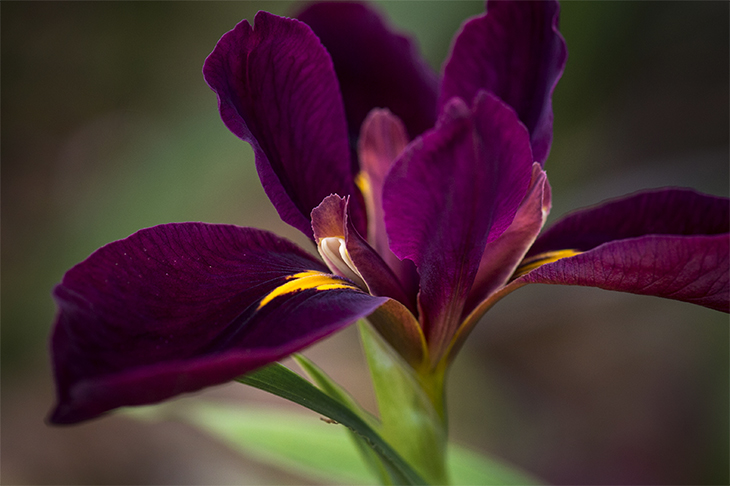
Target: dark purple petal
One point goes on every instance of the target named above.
(175, 308)
(277, 90)
(515, 51)
(503, 255)
(365, 267)
(670, 243)
(451, 192)
(376, 67)
(688, 268)
(663, 212)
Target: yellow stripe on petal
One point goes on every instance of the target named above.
(362, 181)
(536, 261)
(306, 280)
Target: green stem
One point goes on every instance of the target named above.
(411, 406)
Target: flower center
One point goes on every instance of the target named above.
(334, 253)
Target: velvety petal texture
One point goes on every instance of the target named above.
(277, 90)
(448, 195)
(175, 308)
(515, 51)
(669, 243)
(376, 67)
(664, 212)
(503, 255)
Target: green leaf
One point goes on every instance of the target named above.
(381, 470)
(333, 389)
(302, 445)
(295, 442)
(281, 381)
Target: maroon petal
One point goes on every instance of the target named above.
(175, 308)
(669, 243)
(376, 67)
(503, 255)
(451, 192)
(515, 51)
(277, 90)
(664, 212)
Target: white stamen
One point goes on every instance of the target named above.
(334, 253)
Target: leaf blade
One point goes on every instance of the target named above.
(279, 380)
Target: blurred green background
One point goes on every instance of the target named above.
(108, 127)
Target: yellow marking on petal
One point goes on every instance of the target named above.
(306, 280)
(362, 181)
(536, 261)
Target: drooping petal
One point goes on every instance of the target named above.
(690, 269)
(503, 255)
(175, 308)
(382, 139)
(515, 51)
(376, 67)
(669, 243)
(451, 192)
(277, 90)
(669, 211)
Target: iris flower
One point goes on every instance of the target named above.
(424, 195)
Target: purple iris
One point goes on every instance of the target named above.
(424, 196)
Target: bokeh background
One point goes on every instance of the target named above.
(108, 127)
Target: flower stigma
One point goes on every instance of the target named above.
(334, 253)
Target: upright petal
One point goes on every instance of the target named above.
(451, 192)
(382, 139)
(175, 308)
(376, 67)
(277, 90)
(515, 51)
(503, 255)
(669, 243)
